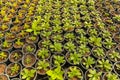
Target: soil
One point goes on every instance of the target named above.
(13, 59)
(31, 57)
(8, 71)
(2, 68)
(11, 37)
(3, 77)
(30, 40)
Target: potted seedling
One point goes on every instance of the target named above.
(15, 29)
(10, 36)
(4, 27)
(105, 34)
(116, 68)
(4, 77)
(84, 50)
(92, 32)
(74, 73)
(95, 41)
(18, 43)
(108, 43)
(117, 37)
(92, 74)
(110, 76)
(16, 21)
(69, 46)
(98, 52)
(15, 56)
(44, 43)
(42, 66)
(56, 73)
(73, 58)
(32, 39)
(88, 62)
(104, 65)
(113, 55)
(13, 69)
(57, 38)
(22, 34)
(4, 56)
(80, 31)
(116, 18)
(29, 60)
(57, 59)
(81, 40)
(56, 47)
(43, 53)
(28, 74)
(29, 48)
(69, 36)
(6, 19)
(2, 68)
(45, 34)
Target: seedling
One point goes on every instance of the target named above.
(3, 55)
(58, 60)
(57, 47)
(70, 46)
(88, 62)
(28, 74)
(43, 53)
(104, 65)
(56, 74)
(94, 75)
(99, 52)
(74, 72)
(111, 76)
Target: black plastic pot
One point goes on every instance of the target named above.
(8, 70)
(24, 48)
(75, 77)
(4, 77)
(52, 60)
(7, 55)
(16, 56)
(28, 60)
(117, 71)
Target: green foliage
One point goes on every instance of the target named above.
(3, 55)
(29, 48)
(18, 42)
(70, 46)
(96, 41)
(108, 43)
(56, 47)
(112, 76)
(43, 65)
(116, 17)
(56, 74)
(99, 51)
(15, 68)
(69, 36)
(28, 74)
(43, 53)
(94, 75)
(74, 72)
(88, 62)
(104, 65)
(114, 55)
(58, 60)
(75, 58)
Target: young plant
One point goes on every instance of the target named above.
(84, 50)
(108, 43)
(95, 41)
(57, 38)
(99, 52)
(29, 49)
(111, 76)
(69, 36)
(104, 65)
(70, 46)
(88, 62)
(74, 58)
(56, 74)
(74, 73)
(43, 53)
(14, 69)
(58, 60)
(116, 17)
(57, 47)
(3, 55)
(43, 65)
(18, 42)
(28, 74)
(114, 55)
(82, 40)
(93, 75)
